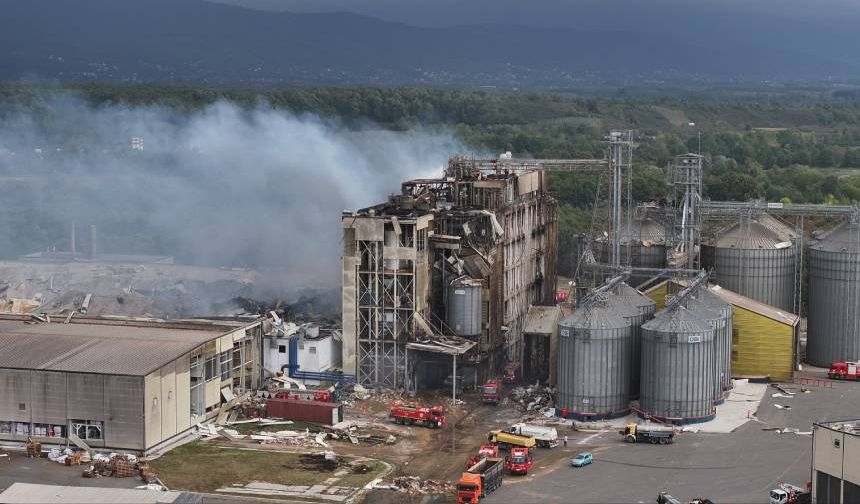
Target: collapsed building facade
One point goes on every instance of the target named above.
(447, 270)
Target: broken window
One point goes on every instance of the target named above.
(407, 235)
(49, 430)
(282, 348)
(87, 429)
(422, 240)
(212, 367)
(226, 363)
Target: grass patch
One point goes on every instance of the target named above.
(253, 428)
(203, 467)
(363, 473)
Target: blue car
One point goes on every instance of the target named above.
(582, 459)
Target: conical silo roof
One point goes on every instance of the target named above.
(677, 320)
(760, 232)
(642, 302)
(843, 238)
(599, 315)
(645, 231)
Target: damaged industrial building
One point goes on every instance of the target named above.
(120, 383)
(438, 280)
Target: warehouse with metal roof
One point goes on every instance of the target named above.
(764, 337)
(119, 383)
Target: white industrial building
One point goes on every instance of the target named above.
(120, 383)
(312, 352)
(836, 462)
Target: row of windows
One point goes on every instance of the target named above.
(211, 367)
(84, 429)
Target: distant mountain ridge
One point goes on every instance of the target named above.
(193, 41)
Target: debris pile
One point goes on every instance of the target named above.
(533, 398)
(413, 485)
(119, 466)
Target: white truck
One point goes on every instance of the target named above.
(545, 437)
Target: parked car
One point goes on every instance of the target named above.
(581, 459)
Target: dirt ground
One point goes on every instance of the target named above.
(437, 454)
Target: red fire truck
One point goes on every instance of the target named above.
(485, 451)
(492, 391)
(410, 414)
(510, 372)
(844, 371)
(519, 461)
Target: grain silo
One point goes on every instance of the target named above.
(755, 257)
(717, 320)
(724, 341)
(833, 332)
(677, 367)
(594, 352)
(646, 307)
(463, 306)
(644, 243)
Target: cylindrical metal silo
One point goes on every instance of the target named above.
(463, 310)
(646, 307)
(724, 344)
(718, 322)
(677, 367)
(594, 351)
(645, 244)
(834, 297)
(755, 257)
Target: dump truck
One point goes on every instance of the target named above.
(410, 414)
(485, 451)
(519, 461)
(545, 437)
(844, 371)
(492, 392)
(787, 493)
(663, 434)
(506, 440)
(480, 480)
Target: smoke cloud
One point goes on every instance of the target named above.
(223, 186)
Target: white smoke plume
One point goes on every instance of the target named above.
(223, 186)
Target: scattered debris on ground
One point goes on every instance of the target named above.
(413, 485)
(532, 398)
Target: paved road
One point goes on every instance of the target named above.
(739, 467)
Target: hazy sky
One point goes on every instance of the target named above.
(633, 13)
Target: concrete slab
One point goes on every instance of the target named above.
(739, 466)
(738, 409)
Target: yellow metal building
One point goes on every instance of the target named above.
(764, 338)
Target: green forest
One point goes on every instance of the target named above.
(801, 146)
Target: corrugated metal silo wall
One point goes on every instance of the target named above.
(646, 309)
(766, 275)
(834, 307)
(594, 369)
(464, 309)
(724, 343)
(677, 378)
(718, 322)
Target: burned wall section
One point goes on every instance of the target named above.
(470, 235)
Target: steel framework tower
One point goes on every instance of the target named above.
(686, 176)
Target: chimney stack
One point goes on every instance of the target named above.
(93, 248)
(74, 245)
